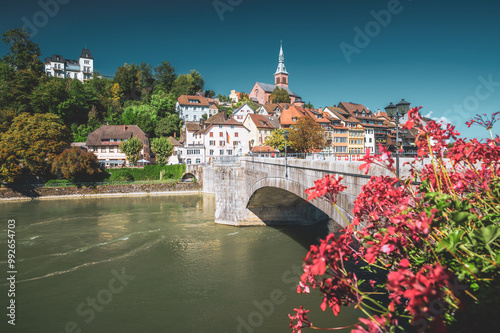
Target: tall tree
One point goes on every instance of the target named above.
(24, 53)
(36, 140)
(77, 165)
(279, 95)
(132, 149)
(165, 76)
(162, 148)
(198, 82)
(147, 82)
(128, 77)
(306, 135)
(209, 93)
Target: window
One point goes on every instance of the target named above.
(232, 126)
(221, 143)
(230, 152)
(236, 134)
(211, 152)
(220, 126)
(221, 134)
(211, 134)
(103, 149)
(194, 117)
(198, 161)
(111, 149)
(188, 161)
(221, 152)
(86, 62)
(212, 143)
(370, 140)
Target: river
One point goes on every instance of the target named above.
(152, 264)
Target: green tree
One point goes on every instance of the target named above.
(128, 77)
(165, 76)
(168, 126)
(147, 82)
(24, 54)
(209, 93)
(163, 103)
(276, 140)
(309, 105)
(77, 165)
(142, 115)
(35, 140)
(6, 118)
(47, 96)
(279, 95)
(16, 88)
(198, 82)
(132, 149)
(162, 148)
(306, 135)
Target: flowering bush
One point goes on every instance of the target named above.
(432, 240)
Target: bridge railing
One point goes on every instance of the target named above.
(320, 156)
(223, 160)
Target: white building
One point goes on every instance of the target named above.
(260, 127)
(192, 108)
(218, 136)
(240, 113)
(81, 69)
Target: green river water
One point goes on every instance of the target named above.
(151, 264)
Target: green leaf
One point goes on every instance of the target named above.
(487, 235)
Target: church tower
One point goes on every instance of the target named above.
(281, 75)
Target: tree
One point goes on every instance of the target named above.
(24, 54)
(306, 135)
(198, 82)
(16, 87)
(188, 84)
(10, 167)
(165, 76)
(168, 126)
(77, 165)
(129, 79)
(209, 93)
(309, 105)
(35, 140)
(147, 82)
(142, 115)
(276, 140)
(163, 103)
(162, 148)
(132, 149)
(279, 95)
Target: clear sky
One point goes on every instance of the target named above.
(443, 55)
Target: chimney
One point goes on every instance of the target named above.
(124, 127)
(175, 135)
(286, 106)
(320, 109)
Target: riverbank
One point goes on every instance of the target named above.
(41, 193)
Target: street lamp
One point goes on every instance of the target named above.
(395, 112)
(285, 135)
(251, 152)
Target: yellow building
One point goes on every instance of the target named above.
(356, 143)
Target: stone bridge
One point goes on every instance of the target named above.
(265, 191)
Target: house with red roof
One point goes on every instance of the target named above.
(240, 113)
(191, 107)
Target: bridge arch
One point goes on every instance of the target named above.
(276, 200)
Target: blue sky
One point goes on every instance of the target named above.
(443, 55)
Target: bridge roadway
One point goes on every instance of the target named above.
(258, 191)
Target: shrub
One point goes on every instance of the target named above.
(149, 172)
(435, 246)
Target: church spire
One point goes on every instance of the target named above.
(281, 64)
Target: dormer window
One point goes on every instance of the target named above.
(86, 55)
(294, 119)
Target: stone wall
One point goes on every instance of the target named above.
(35, 192)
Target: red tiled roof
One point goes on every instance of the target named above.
(264, 149)
(185, 100)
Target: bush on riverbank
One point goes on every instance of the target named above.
(149, 172)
